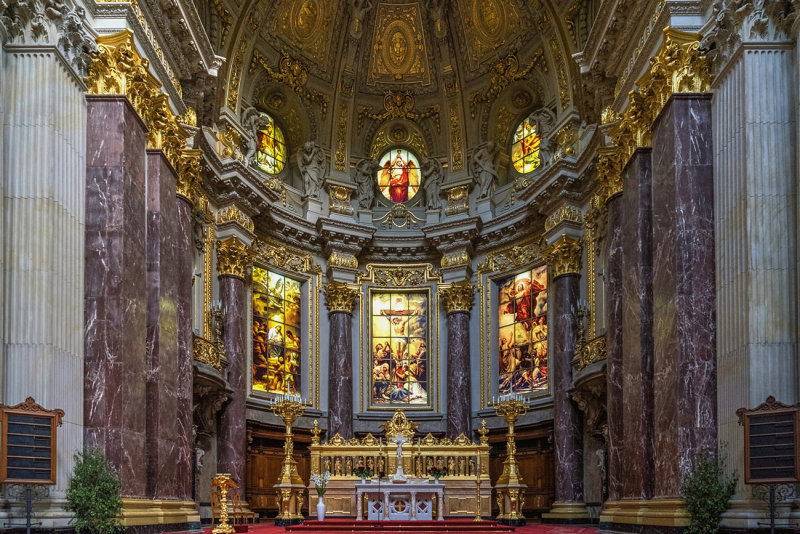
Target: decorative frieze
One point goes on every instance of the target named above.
(564, 256)
(285, 258)
(341, 297)
(455, 259)
(208, 353)
(347, 261)
(339, 199)
(565, 212)
(592, 352)
(457, 200)
(458, 296)
(399, 275)
(233, 258)
(515, 257)
(233, 214)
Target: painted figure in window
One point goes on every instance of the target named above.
(271, 148)
(399, 176)
(525, 147)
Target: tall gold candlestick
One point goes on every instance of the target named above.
(224, 483)
(509, 486)
(290, 486)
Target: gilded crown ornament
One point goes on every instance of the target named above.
(564, 256)
(458, 297)
(233, 257)
(341, 297)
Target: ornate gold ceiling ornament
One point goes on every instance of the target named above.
(564, 256)
(340, 156)
(390, 275)
(456, 259)
(236, 75)
(561, 68)
(458, 296)
(503, 73)
(566, 142)
(341, 297)
(457, 200)
(502, 129)
(608, 115)
(118, 69)
(225, 18)
(339, 199)
(515, 257)
(399, 424)
(305, 24)
(189, 174)
(189, 117)
(456, 145)
(347, 261)
(292, 73)
(591, 352)
(398, 105)
(488, 25)
(229, 143)
(399, 216)
(565, 212)
(399, 53)
(233, 214)
(233, 258)
(285, 258)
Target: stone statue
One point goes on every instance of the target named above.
(432, 175)
(365, 177)
(545, 121)
(311, 162)
(253, 121)
(484, 167)
(359, 8)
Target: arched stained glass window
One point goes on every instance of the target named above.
(271, 153)
(399, 175)
(276, 332)
(525, 147)
(522, 332)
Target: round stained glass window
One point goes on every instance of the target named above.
(399, 175)
(271, 153)
(525, 147)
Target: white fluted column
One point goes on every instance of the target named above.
(756, 245)
(44, 169)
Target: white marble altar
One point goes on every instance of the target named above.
(400, 502)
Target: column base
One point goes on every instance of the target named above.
(662, 515)
(138, 512)
(567, 513)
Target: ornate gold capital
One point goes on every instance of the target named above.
(233, 257)
(233, 214)
(341, 297)
(565, 212)
(458, 297)
(609, 173)
(564, 256)
(347, 261)
(189, 170)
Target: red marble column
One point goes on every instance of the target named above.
(184, 253)
(115, 310)
(684, 289)
(637, 326)
(340, 383)
(459, 406)
(614, 403)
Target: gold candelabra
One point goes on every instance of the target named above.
(509, 486)
(290, 486)
(224, 482)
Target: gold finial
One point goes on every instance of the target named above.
(315, 432)
(483, 432)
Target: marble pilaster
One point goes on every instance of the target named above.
(184, 250)
(340, 299)
(115, 311)
(43, 169)
(637, 326)
(231, 439)
(684, 359)
(457, 299)
(614, 348)
(162, 339)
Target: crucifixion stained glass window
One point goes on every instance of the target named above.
(276, 332)
(522, 332)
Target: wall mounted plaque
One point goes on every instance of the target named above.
(771, 435)
(28, 449)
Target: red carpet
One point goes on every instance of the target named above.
(531, 528)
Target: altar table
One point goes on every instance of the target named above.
(408, 501)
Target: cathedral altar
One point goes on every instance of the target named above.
(409, 501)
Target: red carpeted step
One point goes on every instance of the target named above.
(389, 527)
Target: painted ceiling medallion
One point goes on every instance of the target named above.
(304, 26)
(399, 54)
(488, 24)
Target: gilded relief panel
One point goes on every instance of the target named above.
(399, 54)
(306, 26)
(487, 25)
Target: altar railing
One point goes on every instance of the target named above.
(465, 461)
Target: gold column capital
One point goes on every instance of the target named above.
(341, 297)
(609, 173)
(189, 169)
(233, 257)
(564, 256)
(458, 296)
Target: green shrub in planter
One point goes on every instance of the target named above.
(706, 491)
(93, 494)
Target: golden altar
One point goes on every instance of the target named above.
(466, 463)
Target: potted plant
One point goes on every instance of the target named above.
(320, 482)
(93, 494)
(437, 472)
(362, 472)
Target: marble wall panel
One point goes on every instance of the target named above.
(684, 289)
(567, 431)
(340, 385)
(637, 326)
(614, 348)
(115, 312)
(231, 440)
(459, 411)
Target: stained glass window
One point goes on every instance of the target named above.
(399, 175)
(399, 346)
(271, 153)
(522, 332)
(525, 147)
(276, 332)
